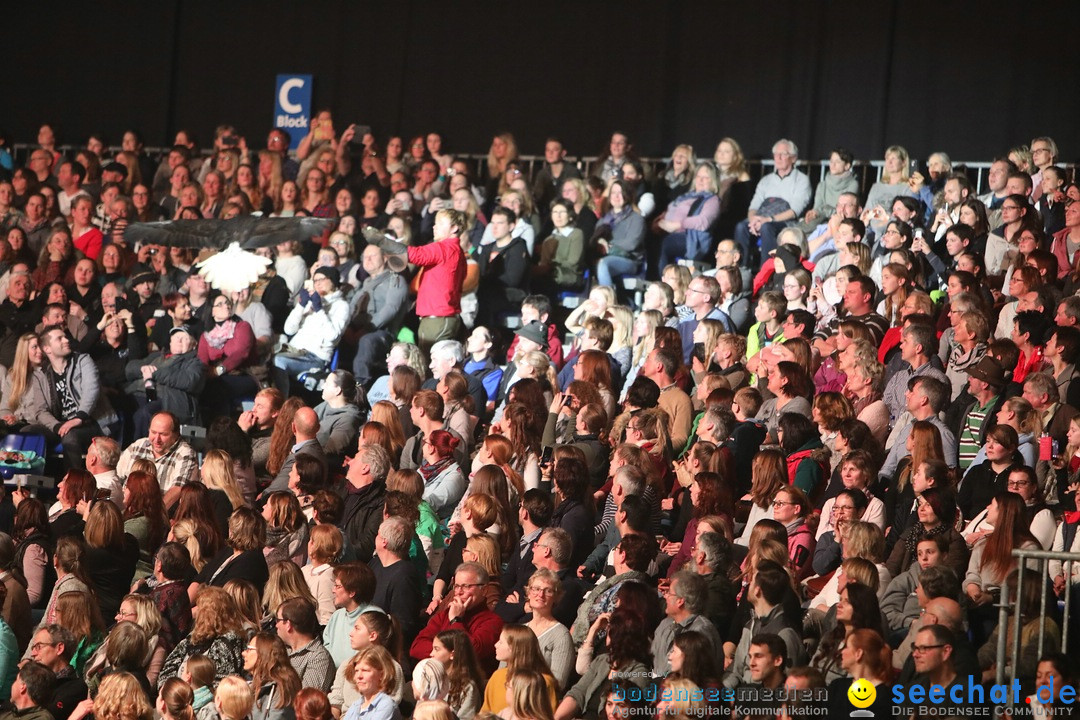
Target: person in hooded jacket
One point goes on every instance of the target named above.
(339, 417)
(167, 381)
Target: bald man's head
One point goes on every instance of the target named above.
(305, 424)
(948, 613)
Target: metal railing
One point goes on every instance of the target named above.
(866, 171)
(1005, 608)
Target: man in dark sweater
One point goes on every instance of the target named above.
(53, 646)
(365, 494)
(397, 585)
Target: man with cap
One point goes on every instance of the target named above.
(314, 328)
(143, 287)
(438, 298)
(530, 337)
(168, 381)
(978, 407)
(114, 172)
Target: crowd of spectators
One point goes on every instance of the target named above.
(457, 466)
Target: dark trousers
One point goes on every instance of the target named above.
(223, 392)
(75, 443)
(370, 360)
(143, 415)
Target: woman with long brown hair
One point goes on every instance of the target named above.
(375, 433)
(702, 457)
(282, 438)
(491, 480)
(64, 518)
(923, 445)
(386, 413)
(144, 519)
(79, 613)
(517, 425)
(243, 557)
(111, 555)
(518, 648)
(273, 678)
(769, 474)
(499, 451)
(286, 529)
(33, 549)
(194, 501)
(857, 610)
(405, 382)
(709, 495)
(573, 507)
(935, 515)
(991, 559)
(593, 367)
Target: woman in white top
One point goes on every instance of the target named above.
(1024, 483)
(856, 472)
(769, 474)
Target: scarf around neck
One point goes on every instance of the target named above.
(221, 333)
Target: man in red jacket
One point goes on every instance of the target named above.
(469, 612)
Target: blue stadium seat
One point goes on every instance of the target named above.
(570, 299)
(34, 443)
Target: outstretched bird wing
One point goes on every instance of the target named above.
(248, 232)
(264, 232)
(176, 233)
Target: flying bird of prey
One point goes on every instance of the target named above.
(234, 268)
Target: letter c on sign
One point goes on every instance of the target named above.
(283, 95)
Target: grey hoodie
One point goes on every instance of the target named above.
(339, 428)
(900, 606)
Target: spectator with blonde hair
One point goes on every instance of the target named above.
(323, 548)
(234, 698)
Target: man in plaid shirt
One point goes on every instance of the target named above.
(175, 460)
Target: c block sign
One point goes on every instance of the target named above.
(292, 102)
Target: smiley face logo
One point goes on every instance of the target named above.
(862, 693)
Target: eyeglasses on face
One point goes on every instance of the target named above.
(920, 649)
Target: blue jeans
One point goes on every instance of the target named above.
(288, 366)
(766, 240)
(611, 267)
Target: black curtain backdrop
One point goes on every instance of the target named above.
(970, 78)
